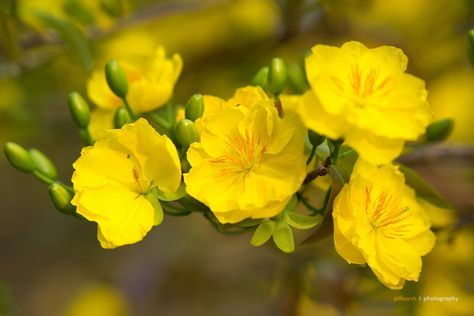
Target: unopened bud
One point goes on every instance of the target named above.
(261, 78)
(43, 164)
(194, 107)
(122, 117)
(277, 76)
(19, 157)
(297, 78)
(61, 198)
(79, 109)
(439, 130)
(116, 78)
(186, 133)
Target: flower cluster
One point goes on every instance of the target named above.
(245, 163)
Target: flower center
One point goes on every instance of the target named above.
(241, 153)
(386, 213)
(362, 84)
(143, 186)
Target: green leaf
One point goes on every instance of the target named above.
(263, 232)
(71, 35)
(302, 221)
(422, 188)
(171, 196)
(283, 237)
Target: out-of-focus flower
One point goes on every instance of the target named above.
(98, 300)
(448, 274)
(114, 178)
(452, 96)
(365, 96)
(249, 161)
(378, 221)
(150, 85)
(84, 13)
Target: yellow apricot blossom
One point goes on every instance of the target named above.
(364, 96)
(113, 182)
(249, 161)
(150, 80)
(378, 221)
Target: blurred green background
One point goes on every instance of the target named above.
(51, 264)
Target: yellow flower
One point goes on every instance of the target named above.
(249, 162)
(365, 96)
(113, 177)
(378, 221)
(151, 82)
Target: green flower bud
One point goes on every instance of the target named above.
(471, 46)
(315, 139)
(277, 76)
(261, 78)
(122, 117)
(61, 198)
(19, 157)
(79, 109)
(116, 78)
(43, 164)
(439, 130)
(186, 133)
(194, 107)
(297, 78)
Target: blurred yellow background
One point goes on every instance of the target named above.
(52, 265)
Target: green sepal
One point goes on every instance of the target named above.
(43, 164)
(171, 196)
(250, 222)
(263, 232)
(301, 221)
(19, 157)
(152, 197)
(283, 237)
(291, 205)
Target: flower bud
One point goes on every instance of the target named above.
(261, 78)
(186, 133)
(194, 107)
(471, 46)
(277, 76)
(315, 139)
(61, 198)
(439, 130)
(116, 78)
(122, 117)
(297, 78)
(43, 164)
(79, 109)
(19, 157)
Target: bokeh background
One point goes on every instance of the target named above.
(51, 264)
